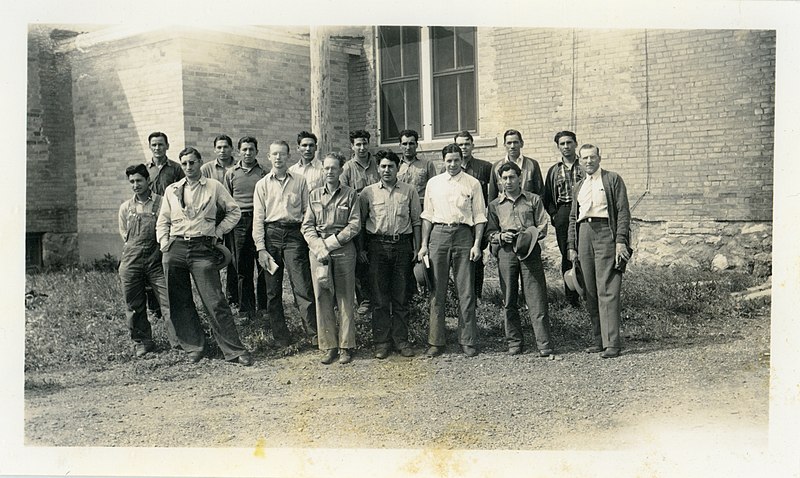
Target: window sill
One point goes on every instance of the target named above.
(438, 144)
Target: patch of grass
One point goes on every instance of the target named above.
(76, 318)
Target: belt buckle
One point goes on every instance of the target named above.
(395, 237)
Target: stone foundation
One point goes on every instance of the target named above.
(59, 249)
(741, 246)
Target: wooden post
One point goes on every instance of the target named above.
(321, 117)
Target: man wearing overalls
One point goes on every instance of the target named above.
(141, 260)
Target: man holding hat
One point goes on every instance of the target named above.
(191, 245)
(390, 212)
(599, 237)
(517, 221)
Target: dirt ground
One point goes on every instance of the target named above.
(651, 395)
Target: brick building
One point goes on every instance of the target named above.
(685, 116)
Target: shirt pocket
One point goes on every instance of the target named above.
(294, 203)
(380, 208)
(341, 216)
(464, 201)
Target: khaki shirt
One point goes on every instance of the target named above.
(390, 211)
(275, 200)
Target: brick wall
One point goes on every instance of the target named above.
(192, 86)
(686, 117)
(50, 166)
(122, 91)
(240, 86)
(707, 96)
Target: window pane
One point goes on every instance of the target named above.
(465, 43)
(469, 117)
(389, 41)
(393, 114)
(413, 107)
(445, 104)
(410, 51)
(400, 109)
(443, 54)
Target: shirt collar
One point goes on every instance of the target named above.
(369, 161)
(149, 198)
(275, 176)
(596, 174)
(220, 165)
(450, 177)
(403, 159)
(519, 160)
(332, 193)
(241, 166)
(503, 196)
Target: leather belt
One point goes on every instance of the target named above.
(283, 224)
(595, 219)
(389, 238)
(247, 213)
(194, 238)
(449, 224)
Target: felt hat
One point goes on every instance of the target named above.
(423, 275)
(222, 256)
(526, 242)
(573, 278)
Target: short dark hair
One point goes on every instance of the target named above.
(137, 169)
(463, 134)
(508, 165)
(189, 150)
(588, 146)
(561, 134)
(224, 137)
(510, 132)
(306, 134)
(336, 155)
(246, 139)
(452, 148)
(281, 143)
(387, 154)
(156, 134)
(409, 133)
(359, 133)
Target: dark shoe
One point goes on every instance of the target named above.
(407, 352)
(515, 350)
(610, 352)
(594, 349)
(345, 356)
(141, 349)
(196, 356)
(381, 353)
(245, 359)
(330, 357)
(314, 341)
(434, 351)
(545, 352)
(469, 350)
(364, 308)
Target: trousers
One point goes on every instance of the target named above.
(450, 246)
(596, 252)
(331, 334)
(195, 259)
(511, 269)
(389, 271)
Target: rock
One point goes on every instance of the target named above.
(719, 263)
(755, 228)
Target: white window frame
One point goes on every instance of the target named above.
(426, 93)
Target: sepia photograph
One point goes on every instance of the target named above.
(426, 244)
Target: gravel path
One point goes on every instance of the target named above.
(649, 395)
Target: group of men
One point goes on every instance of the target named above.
(349, 233)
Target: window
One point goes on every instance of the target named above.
(427, 81)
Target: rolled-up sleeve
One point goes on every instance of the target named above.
(123, 223)
(232, 211)
(478, 205)
(415, 210)
(259, 213)
(164, 221)
(541, 217)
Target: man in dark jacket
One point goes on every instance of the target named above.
(558, 185)
(599, 238)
